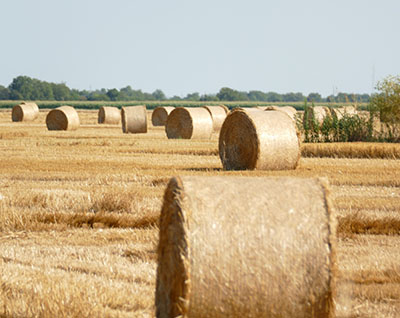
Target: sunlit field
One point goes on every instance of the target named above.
(79, 217)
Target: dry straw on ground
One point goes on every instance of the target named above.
(268, 252)
(160, 115)
(218, 115)
(256, 139)
(134, 119)
(189, 123)
(109, 115)
(24, 112)
(62, 118)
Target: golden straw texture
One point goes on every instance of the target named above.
(218, 115)
(246, 247)
(160, 115)
(189, 123)
(134, 119)
(24, 112)
(109, 115)
(62, 118)
(341, 111)
(319, 112)
(256, 139)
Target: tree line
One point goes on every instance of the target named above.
(27, 88)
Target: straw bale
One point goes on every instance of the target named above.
(134, 119)
(289, 110)
(109, 115)
(341, 111)
(319, 112)
(24, 112)
(268, 252)
(218, 115)
(160, 115)
(256, 139)
(189, 123)
(62, 118)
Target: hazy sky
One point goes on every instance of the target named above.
(184, 46)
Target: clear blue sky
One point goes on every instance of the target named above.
(185, 46)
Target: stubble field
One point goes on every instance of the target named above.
(79, 214)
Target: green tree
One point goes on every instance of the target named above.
(314, 97)
(113, 94)
(4, 93)
(229, 94)
(158, 94)
(193, 96)
(387, 101)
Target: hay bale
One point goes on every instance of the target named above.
(288, 110)
(218, 115)
(256, 139)
(24, 112)
(189, 123)
(246, 247)
(319, 113)
(160, 115)
(109, 115)
(134, 119)
(345, 110)
(62, 118)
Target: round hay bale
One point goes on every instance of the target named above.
(290, 110)
(134, 119)
(246, 247)
(62, 118)
(109, 115)
(263, 140)
(160, 115)
(189, 123)
(341, 111)
(24, 112)
(218, 115)
(319, 112)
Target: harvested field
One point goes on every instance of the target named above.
(79, 217)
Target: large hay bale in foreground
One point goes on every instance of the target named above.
(24, 112)
(246, 247)
(189, 123)
(256, 139)
(160, 115)
(134, 119)
(109, 115)
(62, 118)
(218, 115)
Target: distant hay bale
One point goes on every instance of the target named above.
(246, 247)
(319, 112)
(289, 110)
(62, 118)
(218, 115)
(189, 123)
(263, 140)
(134, 119)
(160, 115)
(24, 112)
(342, 111)
(109, 115)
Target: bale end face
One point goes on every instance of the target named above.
(62, 118)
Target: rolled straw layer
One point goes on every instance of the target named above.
(160, 115)
(256, 139)
(24, 112)
(246, 247)
(109, 115)
(189, 123)
(134, 119)
(62, 118)
(218, 115)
